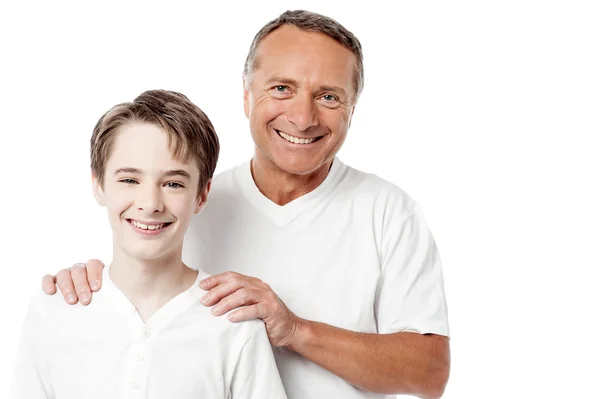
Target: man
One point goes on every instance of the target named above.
(340, 265)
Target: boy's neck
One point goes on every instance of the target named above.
(150, 284)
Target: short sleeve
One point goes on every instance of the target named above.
(31, 378)
(411, 293)
(256, 375)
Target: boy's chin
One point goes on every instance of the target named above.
(150, 253)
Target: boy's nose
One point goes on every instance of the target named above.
(151, 201)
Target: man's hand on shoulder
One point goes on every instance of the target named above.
(253, 299)
(77, 282)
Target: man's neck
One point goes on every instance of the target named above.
(150, 284)
(282, 187)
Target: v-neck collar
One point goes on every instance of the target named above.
(163, 316)
(282, 215)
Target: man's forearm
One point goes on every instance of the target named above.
(399, 363)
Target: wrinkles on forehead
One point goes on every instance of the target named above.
(293, 53)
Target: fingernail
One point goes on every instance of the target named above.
(71, 298)
(216, 309)
(205, 299)
(95, 285)
(85, 297)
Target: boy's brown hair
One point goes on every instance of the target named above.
(190, 133)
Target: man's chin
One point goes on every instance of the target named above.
(304, 169)
(299, 166)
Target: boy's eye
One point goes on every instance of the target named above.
(128, 181)
(173, 184)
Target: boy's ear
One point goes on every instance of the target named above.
(98, 190)
(202, 198)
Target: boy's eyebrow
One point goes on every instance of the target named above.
(177, 172)
(172, 172)
(127, 170)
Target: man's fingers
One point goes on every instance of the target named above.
(219, 292)
(222, 285)
(65, 285)
(210, 282)
(80, 281)
(49, 284)
(94, 273)
(242, 297)
(246, 313)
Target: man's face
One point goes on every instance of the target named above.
(150, 196)
(299, 100)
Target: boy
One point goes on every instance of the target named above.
(147, 332)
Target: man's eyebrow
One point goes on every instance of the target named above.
(127, 170)
(334, 89)
(177, 172)
(282, 80)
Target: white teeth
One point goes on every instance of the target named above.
(295, 140)
(146, 226)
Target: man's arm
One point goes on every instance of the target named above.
(400, 363)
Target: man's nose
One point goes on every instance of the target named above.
(303, 112)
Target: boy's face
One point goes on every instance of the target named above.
(150, 197)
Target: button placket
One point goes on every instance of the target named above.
(135, 384)
(137, 360)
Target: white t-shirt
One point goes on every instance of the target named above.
(105, 351)
(355, 253)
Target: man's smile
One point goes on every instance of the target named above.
(297, 140)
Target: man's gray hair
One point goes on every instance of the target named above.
(311, 22)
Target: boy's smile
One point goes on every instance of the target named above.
(148, 228)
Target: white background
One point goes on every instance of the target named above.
(487, 113)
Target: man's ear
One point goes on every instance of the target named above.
(202, 198)
(246, 97)
(351, 114)
(98, 190)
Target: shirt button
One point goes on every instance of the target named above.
(135, 384)
(132, 309)
(139, 357)
(146, 334)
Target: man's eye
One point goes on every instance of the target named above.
(128, 181)
(172, 184)
(280, 89)
(329, 97)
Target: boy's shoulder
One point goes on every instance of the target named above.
(52, 309)
(240, 331)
